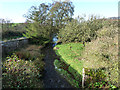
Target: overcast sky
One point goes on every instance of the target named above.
(15, 9)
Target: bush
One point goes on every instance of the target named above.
(103, 53)
(107, 32)
(79, 30)
(11, 34)
(39, 41)
(39, 64)
(18, 73)
(24, 55)
(94, 75)
(13, 30)
(33, 53)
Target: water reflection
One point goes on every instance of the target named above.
(55, 41)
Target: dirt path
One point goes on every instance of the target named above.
(51, 78)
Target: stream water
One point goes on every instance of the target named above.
(52, 79)
(55, 39)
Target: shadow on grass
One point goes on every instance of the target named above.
(92, 76)
(67, 72)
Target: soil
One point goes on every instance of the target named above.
(51, 78)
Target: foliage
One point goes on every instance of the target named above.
(12, 30)
(94, 75)
(61, 12)
(39, 41)
(110, 31)
(33, 53)
(18, 73)
(103, 53)
(101, 84)
(45, 20)
(99, 56)
(27, 66)
(80, 30)
(11, 34)
(69, 33)
(97, 85)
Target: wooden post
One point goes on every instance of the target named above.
(83, 74)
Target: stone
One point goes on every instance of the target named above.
(56, 48)
(11, 45)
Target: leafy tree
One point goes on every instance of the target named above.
(46, 20)
(61, 12)
(94, 24)
(80, 30)
(5, 24)
(11, 30)
(36, 20)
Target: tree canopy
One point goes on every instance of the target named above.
(80, 30)
(47, 19)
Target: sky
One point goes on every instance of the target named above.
(15, 9)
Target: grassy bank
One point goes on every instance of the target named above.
(96, 57)
(70, 53)
(69, 64)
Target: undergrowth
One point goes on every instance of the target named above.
(24, 69)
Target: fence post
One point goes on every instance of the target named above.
(83, 74)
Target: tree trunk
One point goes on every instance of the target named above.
(84, 44)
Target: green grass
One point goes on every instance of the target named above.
(70, 66)
(58, 64)
(71, 55)
(76, 57)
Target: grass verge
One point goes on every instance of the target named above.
(73, 57)
(69, 65)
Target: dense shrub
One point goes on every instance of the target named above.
(11, 31)
(39, 40)
(94, 75)
(18, 73)
(103, 53)
(27, 66)
(9, 34)
(33, 53)
(80, 30)
(96, 78)
(100, 56)
(110, 31)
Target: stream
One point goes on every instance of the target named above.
(51, 78)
